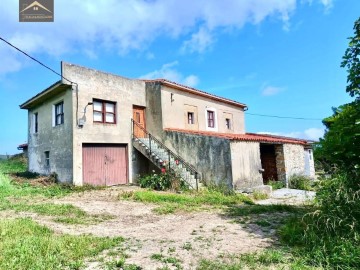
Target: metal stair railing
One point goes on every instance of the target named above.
(171, 154)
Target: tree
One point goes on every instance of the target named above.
(351, 60)
(341, 143)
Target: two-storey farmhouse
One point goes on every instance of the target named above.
(102, 129)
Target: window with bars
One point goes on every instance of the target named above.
(59, 113)
(191, 120)
(104, 111)
(47, 158)
(228, 123)
(211, 119)
(36, 122)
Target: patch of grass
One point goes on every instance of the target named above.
(276, 184)
(175, 262)
(269, 259)
(26, 245)
(64, 213)
(246, 210)
(13, 165)
(187, 246)
(260, 196)
(187, 201)
(263, 223)
(300, 182)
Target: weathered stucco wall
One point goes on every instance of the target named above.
(246, 163)
(209, 155)
(55, 139)
(153, 113)
(93, 84)
(174, 112)
(294, 159)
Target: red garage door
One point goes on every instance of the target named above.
(105, 164)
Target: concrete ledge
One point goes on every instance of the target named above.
(261, 189)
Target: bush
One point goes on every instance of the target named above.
(276, 184)
(298, 181)
(329, 236)
(163, 181)
(221, 188)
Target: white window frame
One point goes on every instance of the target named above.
(54, 113)
(33, 123)
(215, 128)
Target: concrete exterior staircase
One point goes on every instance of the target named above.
(163, 157)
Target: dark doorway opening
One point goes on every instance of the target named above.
(268, 162)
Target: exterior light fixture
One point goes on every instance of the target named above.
(82, 120)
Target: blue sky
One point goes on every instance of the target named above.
(280, 57)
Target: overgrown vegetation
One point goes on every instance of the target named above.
(329, 236)
(298, 181)
(276, 184)
(163, 181)
(24, 196)
(187, 201)
(26, 245)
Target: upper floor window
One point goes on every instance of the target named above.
(104, 111)
(59, 113)
(211, 119)
(191, 118)
(36, 122)
(228, 123)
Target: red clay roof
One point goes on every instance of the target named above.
(197, 92)
(22, 146)
(249, 137)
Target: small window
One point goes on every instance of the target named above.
(191, 118)
(59, 113)
(104, 111)
(310, 156)
(211, 119)
(47, 158)
(228, 123)
(36, 123)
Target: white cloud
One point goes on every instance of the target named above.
(271, 90)
(308, 134)
(314, 133)
(328, 4)
(199, 42)
(168, 71)
(191, 80)
(122, 26)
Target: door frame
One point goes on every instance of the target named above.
(92, 144)
(142, 108)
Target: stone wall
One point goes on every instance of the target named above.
(294, 159)
(280, 162)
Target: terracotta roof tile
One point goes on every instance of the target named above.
(252, 137)
(197, 92)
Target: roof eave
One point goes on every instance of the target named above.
(198, 92)
(45, 94)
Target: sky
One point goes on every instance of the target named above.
(280, 57)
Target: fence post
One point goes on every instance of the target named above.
(196, 180)
(169, 160)
(150, 144)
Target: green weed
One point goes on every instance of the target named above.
(26, 245)
(187, 201)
